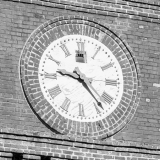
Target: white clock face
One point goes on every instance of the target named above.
(81, 78)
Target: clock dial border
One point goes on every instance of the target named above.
(111, 99)
(34, 48)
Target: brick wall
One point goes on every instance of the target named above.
(22, 133)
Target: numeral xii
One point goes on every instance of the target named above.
(80, 46)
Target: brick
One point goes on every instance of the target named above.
(120, 158)
(5, 154)
(20, 18)
(31, 157)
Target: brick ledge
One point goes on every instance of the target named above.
(121, 9)
(110, 145)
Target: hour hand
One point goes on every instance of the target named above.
(63, 71)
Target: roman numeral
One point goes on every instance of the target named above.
(111, 82)
(52, 59)
(107, 66)
(97, 109)
(81, 55)
(54, 91)
(107, 97)
(66, 104)
(50, 75)
(99, 125)
(81, 110)
(65, 49)
(80, 46)
(98, 49)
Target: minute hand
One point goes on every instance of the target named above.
(82, 76)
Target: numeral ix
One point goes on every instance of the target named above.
(50, 75)
(54, 91)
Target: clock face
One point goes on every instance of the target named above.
(81, 78)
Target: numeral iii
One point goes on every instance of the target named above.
(111, 82)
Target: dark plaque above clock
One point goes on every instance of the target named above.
(79, 77)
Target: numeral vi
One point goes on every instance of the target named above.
(81, 110)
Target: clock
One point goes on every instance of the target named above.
(68, 93)
(79, 82)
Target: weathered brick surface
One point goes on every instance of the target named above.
(57, 147)
(29, 75)
(137, 23)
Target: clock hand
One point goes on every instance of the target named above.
(82, 76)
(63, 71)
(76, 76)
(71, 74)
(87, 82)
(87, 88)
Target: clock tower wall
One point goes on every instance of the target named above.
(32, 128)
